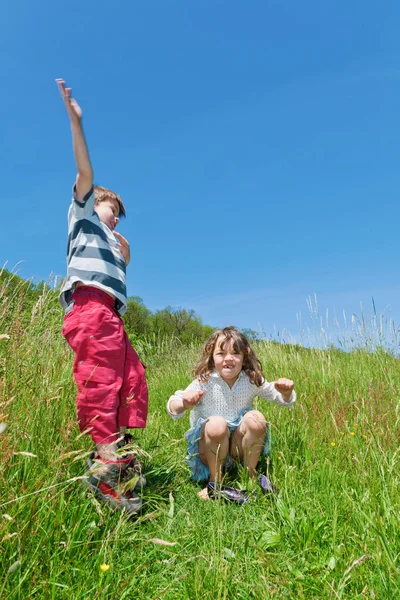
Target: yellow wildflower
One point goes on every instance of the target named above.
(104, 567)
(352, 433)
(333, 443)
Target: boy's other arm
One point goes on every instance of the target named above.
(124, 247)
(84, 178)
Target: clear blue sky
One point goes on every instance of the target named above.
(256, 147)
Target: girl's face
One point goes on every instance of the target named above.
(228, 363)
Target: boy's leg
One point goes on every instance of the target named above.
(96, 336)
(133, 408)
(134, 396)
(248, 440)
(213, 448)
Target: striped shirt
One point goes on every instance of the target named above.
(93, 256)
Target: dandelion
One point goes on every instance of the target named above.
(352, 433)
(365, 437)
(333, 443)
(279, 458)
(104, 567)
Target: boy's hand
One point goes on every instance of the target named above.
(285, 387)
(73, 109)
(124, 247)
(191, 399)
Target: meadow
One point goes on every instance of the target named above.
(331, 533)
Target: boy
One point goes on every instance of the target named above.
(112, 389)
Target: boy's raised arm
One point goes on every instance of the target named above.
(84, 178)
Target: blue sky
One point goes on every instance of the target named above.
(256, 147)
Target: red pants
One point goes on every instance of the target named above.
(112, 389)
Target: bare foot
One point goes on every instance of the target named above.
(203, 494)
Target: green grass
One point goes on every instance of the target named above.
(333, 532)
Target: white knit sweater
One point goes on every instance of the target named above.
(221, 400)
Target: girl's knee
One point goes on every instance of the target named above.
(216, 428)
(255, 421)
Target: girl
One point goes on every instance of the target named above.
(223, 422)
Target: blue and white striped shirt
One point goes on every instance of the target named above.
(93, 256)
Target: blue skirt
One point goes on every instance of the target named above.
(200, 471)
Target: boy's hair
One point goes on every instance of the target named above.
(232, 336)
(102, 194)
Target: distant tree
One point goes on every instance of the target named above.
(180, 318)
(182, 323)
(137, 315)
(206, 332)
(172, 321)
(159, 323)
(193, 330)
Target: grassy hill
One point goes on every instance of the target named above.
(333, 532)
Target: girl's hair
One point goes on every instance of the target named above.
(251, 365)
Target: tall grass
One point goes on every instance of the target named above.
(331, 533)
(364, 329)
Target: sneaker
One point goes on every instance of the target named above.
(133, 475)
(215, 491)
(104, 480)
(267, 486)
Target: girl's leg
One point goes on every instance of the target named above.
(214, 447)
(248, 440)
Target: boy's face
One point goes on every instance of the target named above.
(108, 212)
(228, 363)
